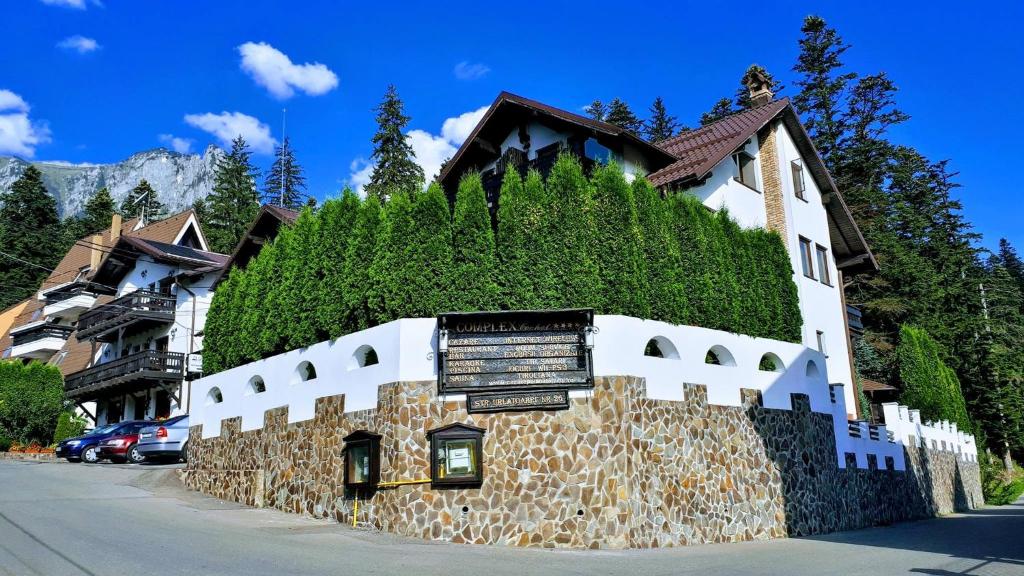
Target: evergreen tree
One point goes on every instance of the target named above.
(220, 331)
(743, 93)
(660, 126)
(359, 258)
(618, 246)
(31, 238)
(570, 232)
(143, 202)
(666, 295)
(926, 382)
(720, 110)
(395, 169)
(620, 114)
(297, 300)
(97, 214)
(525, 276)
(597, 110)
(1009, 260)
(266, 294)
(234, 202)
(821, 85)
(337, 229)
(285, 184)
(473, 286)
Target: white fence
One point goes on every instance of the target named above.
(406, 351)
(908, 429)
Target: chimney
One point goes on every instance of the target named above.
(756, 81)
(115, 228)
(94, 257)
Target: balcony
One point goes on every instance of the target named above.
(134, 371)
(132, 313)
(68, 301)
(39, 340)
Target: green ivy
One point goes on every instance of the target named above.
(926, 382)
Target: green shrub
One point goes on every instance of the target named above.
(5, 443)
(31, 397)
(473, 284)
(999, 486)
(926, 382)
(69, 425)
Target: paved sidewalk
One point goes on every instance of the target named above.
(75, 519)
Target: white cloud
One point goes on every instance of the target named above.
(226, 126)
(79, 44)
(430, 149)
(76, 4)
(271, 68)
(179, 145)
(470, 71)
(18, 133)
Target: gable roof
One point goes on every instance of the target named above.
(699, 151)
(507, 111)
(265, 226)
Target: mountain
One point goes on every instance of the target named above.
(179, 179)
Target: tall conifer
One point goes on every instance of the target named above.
(357, 284)
(570, 231)
(395, 169)
(285, 183)
(30, 235)
(233, 203)
(617, 245)
(473, 282)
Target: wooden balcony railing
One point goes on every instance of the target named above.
(141, 306)
(42, 331)
(145, 365)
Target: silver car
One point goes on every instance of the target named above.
(166, 440)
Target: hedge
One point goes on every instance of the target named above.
(569, 241)
(31, 398)
(926, 382)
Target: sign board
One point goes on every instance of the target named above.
(194, 362)
(513, 401)
(515, 351)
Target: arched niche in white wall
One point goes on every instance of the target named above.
(771, 363)
(661, 347)
(214, 396)
(363, 356)
(719, 356)
(256, 386)
(305, 371)
(812, 370)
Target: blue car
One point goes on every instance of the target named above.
(85, 448)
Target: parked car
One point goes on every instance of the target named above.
(85, 448)
(123, 447)
(165, 440)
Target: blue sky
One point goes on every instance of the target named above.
(89, 81)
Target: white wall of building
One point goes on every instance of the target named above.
(723, 190)
(407, 352)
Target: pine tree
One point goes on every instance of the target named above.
(620, 114)
(97, 214)
(359, 257)
(473, 282)
(31, 238)
(742, 98)
(1011, 262)
(597, 110)
(720, 110)
(660, 126)
(821, 85)
(618, 246)
(234, 202)
(143, 202)
(337, 227)
(285, 184)
(570, 231)
(524, 274)
(395, 169)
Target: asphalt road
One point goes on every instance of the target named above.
(74, 519)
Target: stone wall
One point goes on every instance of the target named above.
(616, 470)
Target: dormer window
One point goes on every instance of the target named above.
(745, 169)
(598, 152)
(799, 186)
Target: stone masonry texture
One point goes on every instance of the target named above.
(616, 470)
(771, 180)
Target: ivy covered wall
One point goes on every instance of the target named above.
(570, 241)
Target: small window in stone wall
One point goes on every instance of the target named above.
(362, 459)
(456, 455)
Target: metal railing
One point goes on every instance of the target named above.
(66, 292)
(42, 331)
(139, 303)
(170, 364)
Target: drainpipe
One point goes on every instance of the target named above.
(191, 341)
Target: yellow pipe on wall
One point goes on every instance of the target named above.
(403, 482)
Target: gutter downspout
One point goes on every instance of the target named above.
(191, 340)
